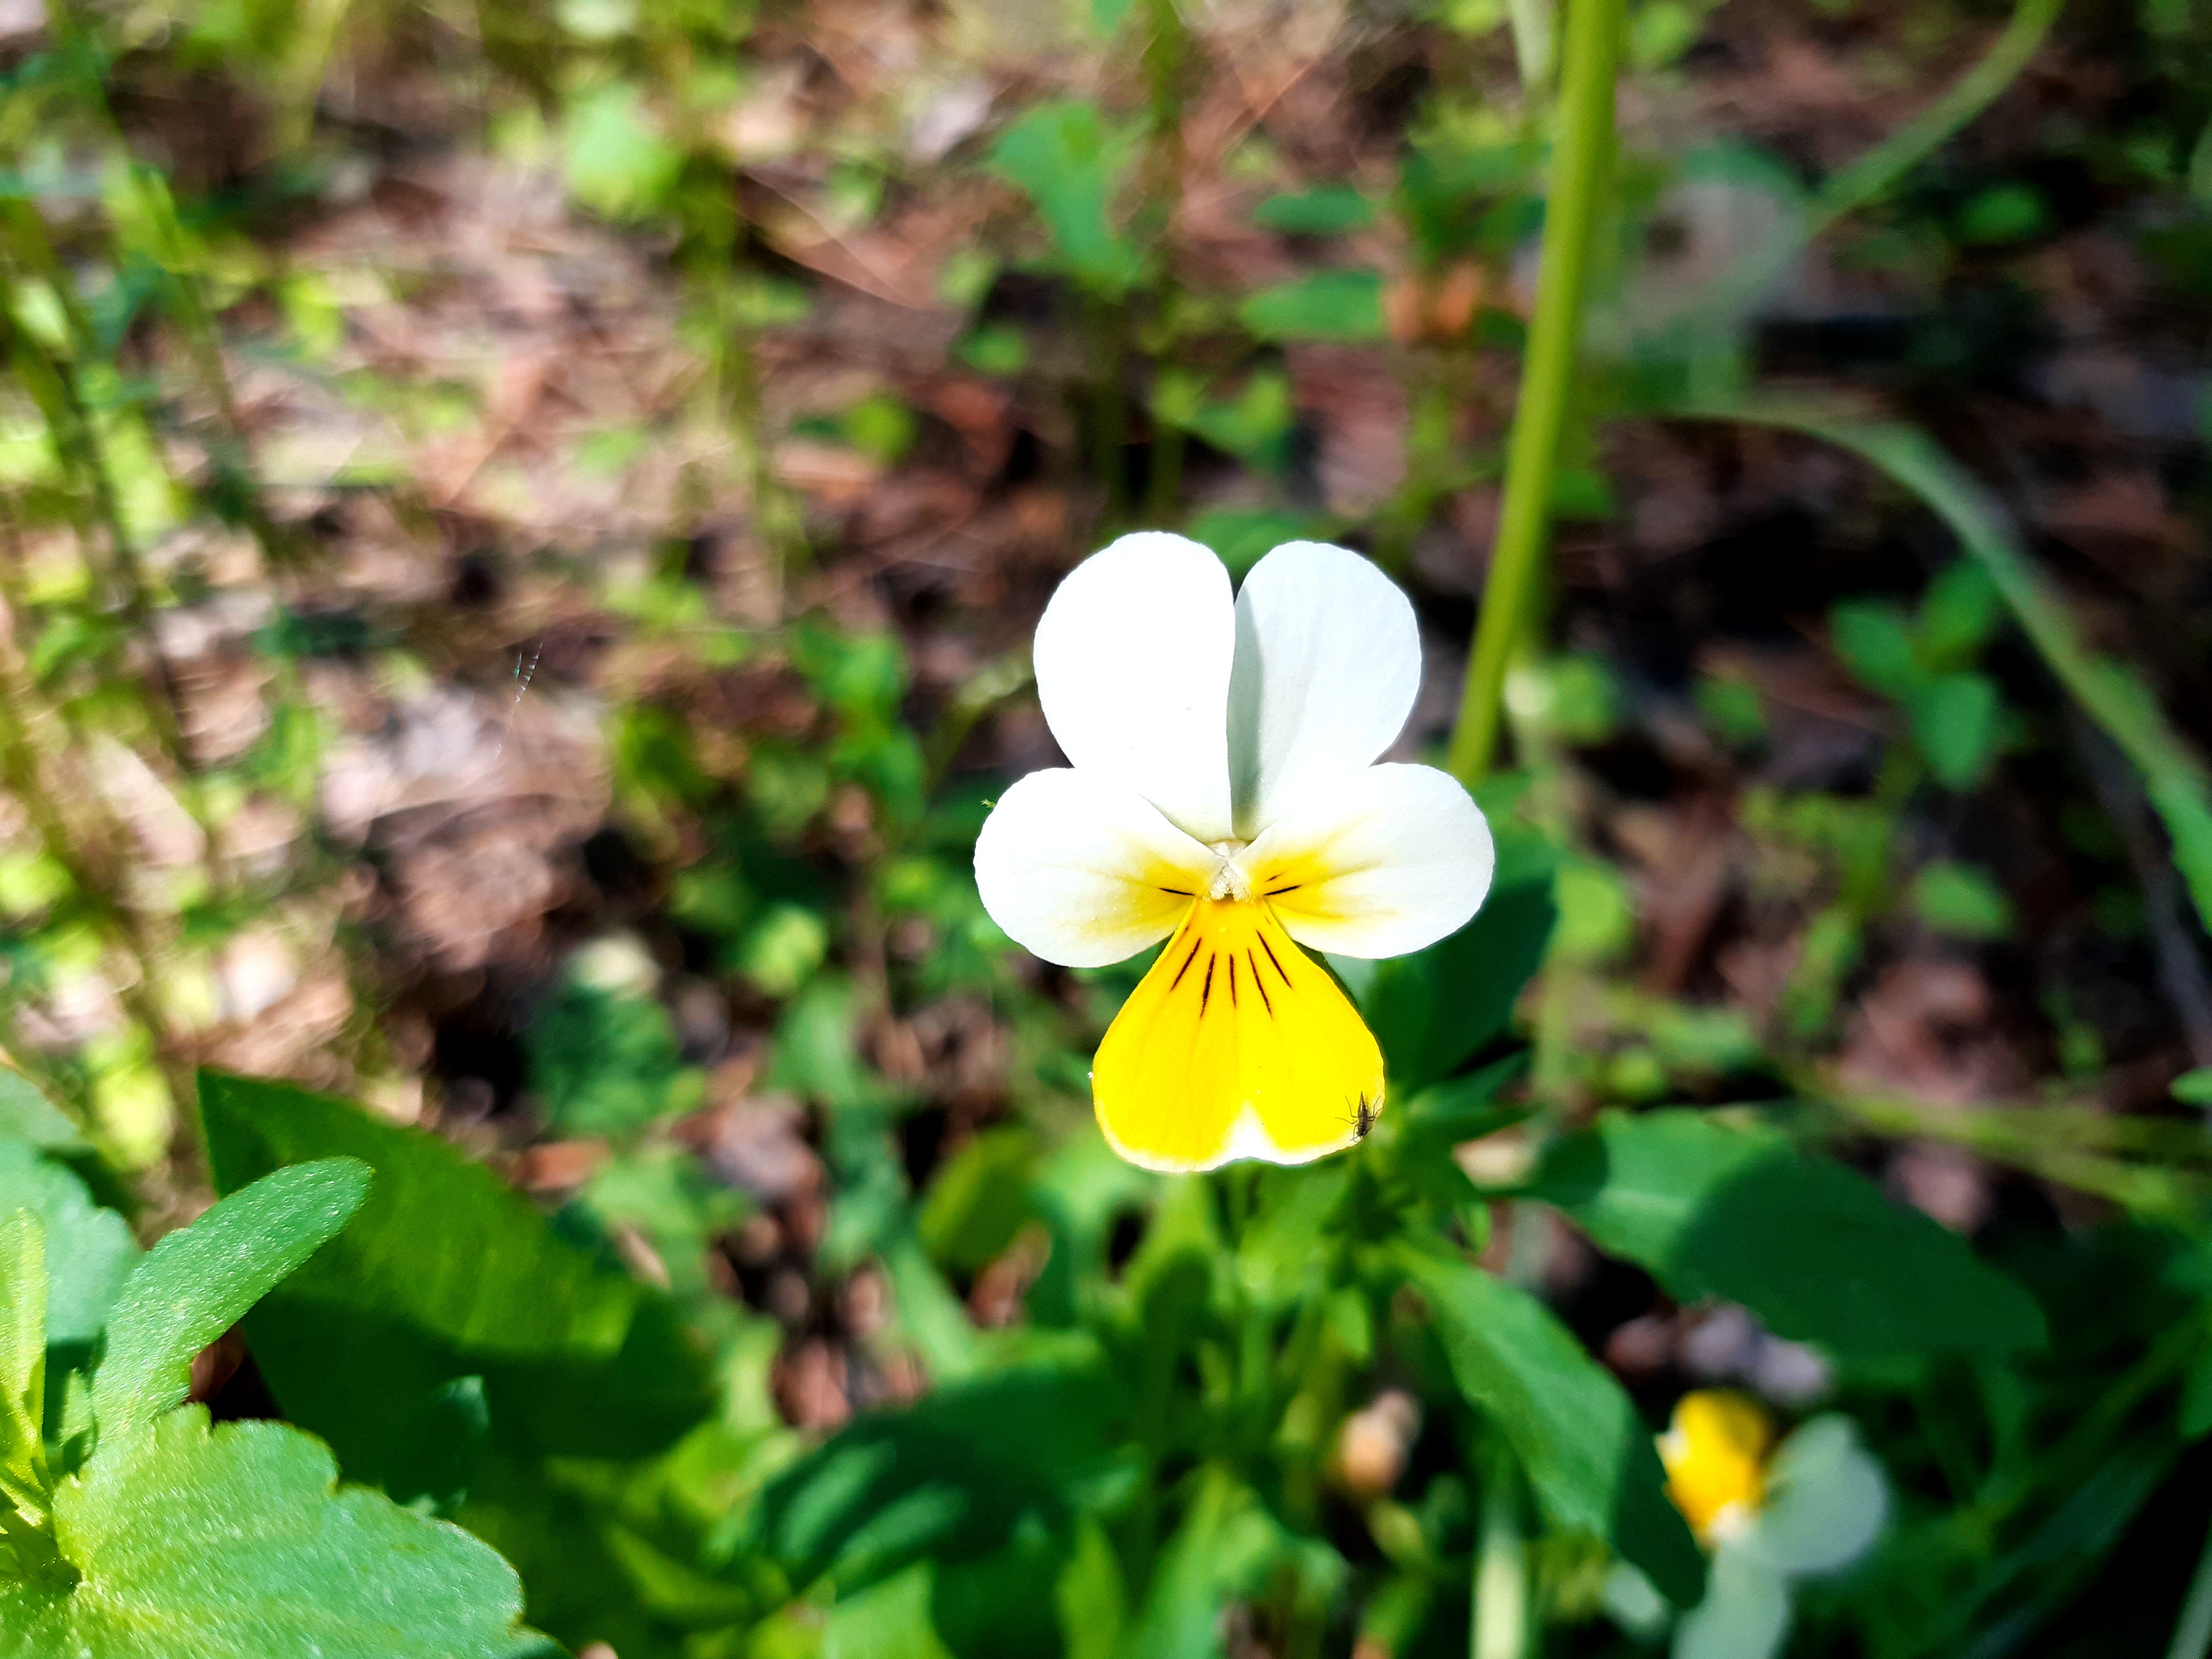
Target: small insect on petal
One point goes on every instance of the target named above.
(1236, 1044)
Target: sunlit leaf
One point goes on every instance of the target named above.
(195, 1283)
(236, 1544)
(1813, 1250)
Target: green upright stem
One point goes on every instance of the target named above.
(1579, 165)
(1500, 1628)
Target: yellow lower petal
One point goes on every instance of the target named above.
(1236, 1044)
(1715, 1452)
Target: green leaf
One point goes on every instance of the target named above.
(979, 1199)
(604, 1061)
(447, 1273)
(1433, 1009)
(1223, 1549)
(194, 1284)
(952, 1476)
(1245, 535)
(1325, 210)
(1874, 639)
(618, 164)
(1815, 1251)
(1588, 1455)
(1954, 720)
(23, 1480)
(27, 1115)
(1958, 614)
(89, 1250)
(234, 1544)
(1063, 157)
(1322, 304)
(1962, 901)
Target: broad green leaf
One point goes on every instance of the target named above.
(445, 1273)
(1588, 1455)
(1322, 304)
(951, 1476)
(89, 1250)
(1954, 720)
(1434, 1009)
(1068, 161)
(1813, 1250)
(23, 1365)
(27, 1115)
(235, 1543)
(194, 1284)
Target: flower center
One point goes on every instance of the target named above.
(1229, 883)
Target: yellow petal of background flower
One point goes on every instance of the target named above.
(1715, 1452)
(1236, 1044)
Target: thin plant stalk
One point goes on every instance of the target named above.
(1500, 1627)
(1584, 147)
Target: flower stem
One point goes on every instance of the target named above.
(1579, 165)
(1500, 1629)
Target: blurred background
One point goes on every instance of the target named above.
(522, 525)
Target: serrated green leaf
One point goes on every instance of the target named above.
(194, 1284)
(1588, 1455)
(23, 1481)
(89, 1250)
(235, 1543)
(1813, 1250)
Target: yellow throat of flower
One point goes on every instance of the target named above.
(1235, 1044)
(1714, 1451)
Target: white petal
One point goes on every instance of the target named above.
(1133, 661)
(1329, 660)
(1081, 871)
(1392, 859)
(1830, 1500)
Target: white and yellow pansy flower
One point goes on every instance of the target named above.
(1223, 791)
